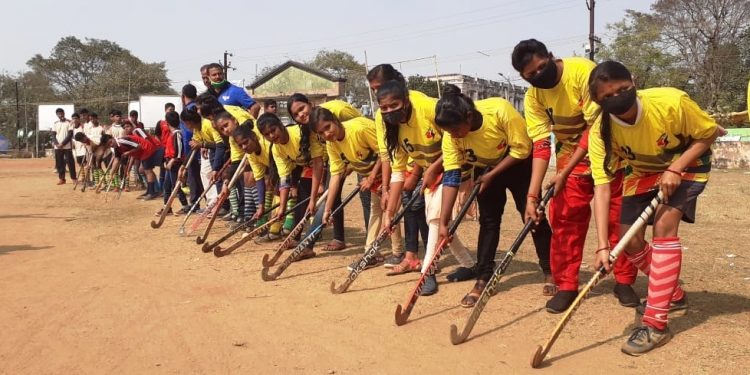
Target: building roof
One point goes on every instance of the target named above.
(266, 77)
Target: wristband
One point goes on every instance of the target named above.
(604, 248)
(674, 171)
(532, 196)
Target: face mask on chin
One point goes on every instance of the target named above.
(547, 77)
(218, 85)
(618, 105)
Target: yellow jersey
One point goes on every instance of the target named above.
(259, 162)
(419, 138)
(503, 132)
(564, 110)
(358, 149)
(342, 110)
(380, 127)
(667, 122)
(207, 134)
(288, 156)
(241, 115)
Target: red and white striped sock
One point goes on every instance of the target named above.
(664, 273)
(642, 261)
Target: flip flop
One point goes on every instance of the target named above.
(405, 266)
(472, 297)
(335, 245)
(549, 289)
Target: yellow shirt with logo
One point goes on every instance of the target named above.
(667, 122)
(342, 110)
(207, 134)
(241, 115)
(419, 138)
(288, 156)
(358, 149)
(564, 110)
(503, 132)
(260, 162)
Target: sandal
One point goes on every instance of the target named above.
(550, 288)
(405, 266)
(158, 213)
(335, 245)
(472, 297)
(306, 254)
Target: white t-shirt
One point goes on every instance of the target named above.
(117, 131)
(61, 129)
(79, 149)
(95, 133)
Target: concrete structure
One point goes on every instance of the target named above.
(480, 88)
(732, 151)
(292, 77)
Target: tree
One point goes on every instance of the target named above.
(424, 85)
(706, 35)
(32, 88)
(99, 74)
(637, 44)
(343, 64)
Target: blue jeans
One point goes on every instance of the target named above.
(415, 221)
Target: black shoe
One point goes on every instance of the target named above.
(430, 286)
(561, 301)
(150, 197)
(676, 308)
(626, 295)
(463, 274)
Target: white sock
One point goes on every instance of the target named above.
(457, 248)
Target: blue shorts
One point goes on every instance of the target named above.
(157, 158)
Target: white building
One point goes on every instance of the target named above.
(479, 88)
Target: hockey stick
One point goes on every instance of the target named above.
(101, 183)
(268, 263)
(81, 171)
(209, 246)
(283, 245)
(402, 315)
(489, 289)
(219, 201)
(219, 252)
(373, 249)
(177, 186)
(302, 244)
(88, 173)
(541, 351)
(126, 176)
(197, 201)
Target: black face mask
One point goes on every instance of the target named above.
(394, 118)
(547, 77)
(618, 105)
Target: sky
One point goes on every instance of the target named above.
(472, 37)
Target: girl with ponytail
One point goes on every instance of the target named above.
(663, 139)
(487, 134)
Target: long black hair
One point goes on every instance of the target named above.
(264, 121)
(384, 73)
(396, 90)
(304, 142)
(604, 72)
(319, 114)
(454, 108)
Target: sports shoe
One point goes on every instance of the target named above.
(183, 210)
(142, 196)
(644, 339)
(60, 182)
(561, 301)
(676, 308)
(373, 262)
(393, 260)
(229, 217)
(266, 238)
(462, 274)
(626, 295)
(150, 197)
(430, 286)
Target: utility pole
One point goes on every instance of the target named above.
(18, 116)
(227, 64)
(590, 4)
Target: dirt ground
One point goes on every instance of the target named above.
(89, 287)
